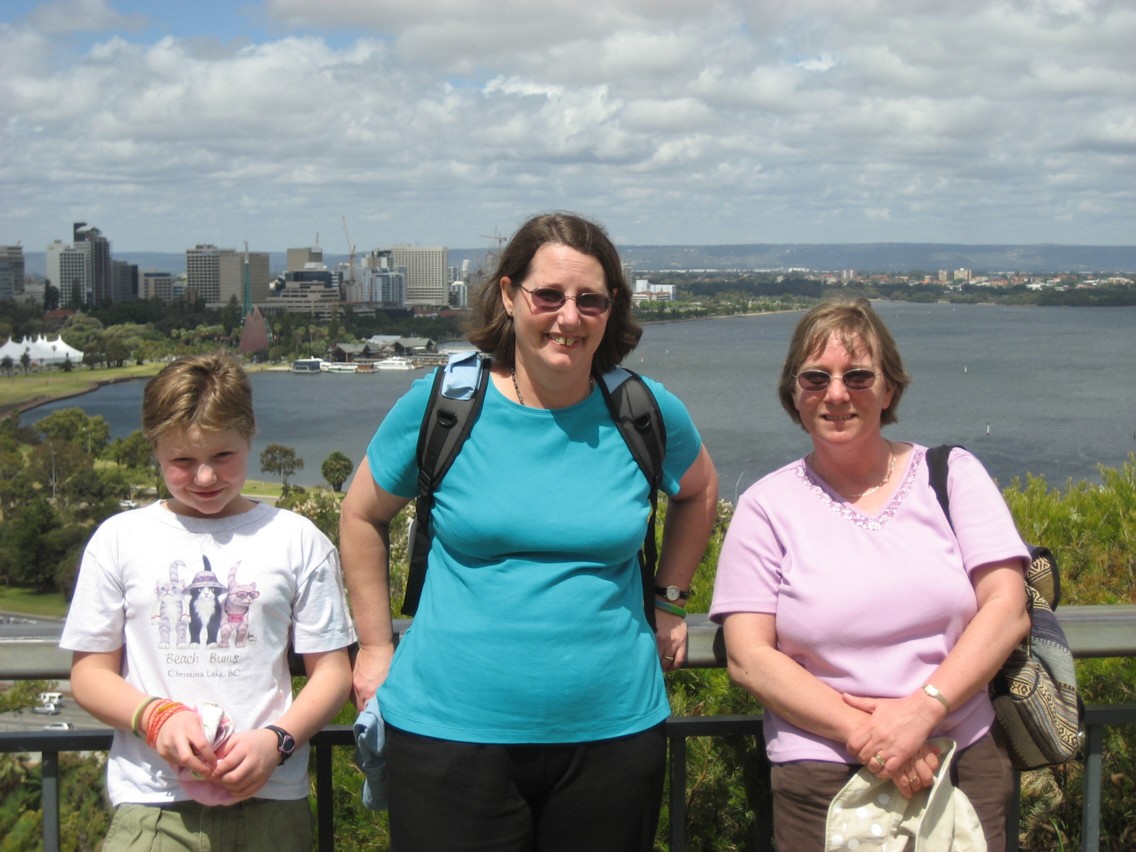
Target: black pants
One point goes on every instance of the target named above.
(602, 796)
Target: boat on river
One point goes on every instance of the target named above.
(307, 366)
(395, 362)
(341, 368)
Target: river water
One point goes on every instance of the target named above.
(1041, 391)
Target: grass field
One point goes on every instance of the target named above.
(19, 391)
(26, 602)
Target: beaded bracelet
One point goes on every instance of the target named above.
(162, 714)
(673, 609)
(139, 710)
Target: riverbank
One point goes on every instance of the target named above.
(23, 392)
(20, 393)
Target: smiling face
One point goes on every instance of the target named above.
(204, 471)
(836, 413)
(555, 347)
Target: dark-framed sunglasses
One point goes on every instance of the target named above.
(551, 299)
(859, 379)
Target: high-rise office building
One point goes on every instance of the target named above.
(427, 274)
(11, 272)
(203, 273)
(231, 277)
(299, 258)
(98, 284)
(124, 281)
(67, 272)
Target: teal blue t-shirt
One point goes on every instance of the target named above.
(531, 626)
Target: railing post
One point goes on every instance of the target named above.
(1090, 807)
(49, 800)
(325, 800)
(678, 792)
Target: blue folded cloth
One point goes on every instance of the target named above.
(370, 740)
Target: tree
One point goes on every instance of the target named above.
(281, 461)
(27, 555)
(336, 468)
(132, 451)
(25, 362)
(72, 424)
(6, 364)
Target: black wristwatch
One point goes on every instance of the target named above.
(285, 742)
(671, 593)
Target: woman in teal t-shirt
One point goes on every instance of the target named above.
(524, 708)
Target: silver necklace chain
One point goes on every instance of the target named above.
(881, 483)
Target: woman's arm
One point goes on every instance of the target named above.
(897, 726)
(690, 520)
(780, 683)
(364, 548)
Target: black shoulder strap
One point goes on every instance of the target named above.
(636, 413)
(454, 404)
(937, 468)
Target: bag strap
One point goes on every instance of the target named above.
(455, 402)
(636, 413)
(454, 405)
(938, 459)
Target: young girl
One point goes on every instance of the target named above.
(180, 626)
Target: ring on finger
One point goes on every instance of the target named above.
(879, 759)
(914, 780)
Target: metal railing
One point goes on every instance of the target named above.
(1093, 631)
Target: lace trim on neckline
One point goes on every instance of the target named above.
(851, 513)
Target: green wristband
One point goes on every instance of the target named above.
(673, 609)
(137, 717)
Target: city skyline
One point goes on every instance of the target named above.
(364, 124)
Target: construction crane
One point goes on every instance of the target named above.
(496, 237)
(350, 252)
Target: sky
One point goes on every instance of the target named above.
(372, 123)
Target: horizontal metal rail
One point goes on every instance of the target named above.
(1093, 631)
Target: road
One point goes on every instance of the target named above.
(15, 626)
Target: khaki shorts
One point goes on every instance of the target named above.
(249, 826)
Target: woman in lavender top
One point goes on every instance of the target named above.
(851, 609)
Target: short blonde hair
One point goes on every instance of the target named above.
(211, 392)
(850, 322)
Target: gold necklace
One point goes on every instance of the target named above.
(521, 399)
(881, 483)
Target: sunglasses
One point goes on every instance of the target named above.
(551, 299)
(818, 380)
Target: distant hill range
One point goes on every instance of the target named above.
(820, 257)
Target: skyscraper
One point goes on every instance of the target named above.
(11, 272)
(203, 273)
(427, 274)
(67, 272)
(98, 284)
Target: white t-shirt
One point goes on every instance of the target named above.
(207, 610)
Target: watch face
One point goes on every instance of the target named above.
(673, 593)
(287, 744)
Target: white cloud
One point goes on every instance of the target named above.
(437, 121)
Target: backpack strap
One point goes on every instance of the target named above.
(454, 404)
(636, 413)
(937, 468)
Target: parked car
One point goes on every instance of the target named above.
(59, 726)
(46, 709)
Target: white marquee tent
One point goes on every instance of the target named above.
(41, 351)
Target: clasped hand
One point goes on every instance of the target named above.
(893, 742)
(242, 764)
